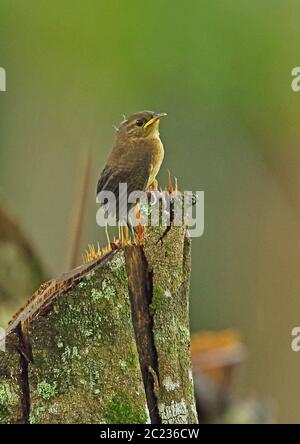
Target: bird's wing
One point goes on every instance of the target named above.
(136, 178)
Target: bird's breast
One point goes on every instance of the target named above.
(157, 155)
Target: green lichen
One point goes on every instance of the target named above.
(36, 414)
(117, 266)
(107, 291)
(122, 364)
(46, 391)
(117, 263)
(96, 294)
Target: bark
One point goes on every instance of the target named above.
(106, 343)
(11, 409)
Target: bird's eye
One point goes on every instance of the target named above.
(139, 122)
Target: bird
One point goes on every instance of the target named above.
(136, 156)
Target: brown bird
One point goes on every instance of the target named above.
(136, 156)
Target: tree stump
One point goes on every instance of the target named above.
(107, 342)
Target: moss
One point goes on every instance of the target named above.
(10, 406)
(7, 397)
(132, 361)
(96, 294)
(120, 411)
(158, 300)
(121, 275)
(10, 401)
(184, 334)
(36, 414)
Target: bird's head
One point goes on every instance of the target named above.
(144, 124)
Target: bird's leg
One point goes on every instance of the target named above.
(119, 232)
(176, 185)
(130, 225)
(121, 241)
(108, 239)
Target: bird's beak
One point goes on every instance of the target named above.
(154, 119)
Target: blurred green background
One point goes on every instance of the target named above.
(222, 72)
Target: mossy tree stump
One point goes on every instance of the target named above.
(107, 343)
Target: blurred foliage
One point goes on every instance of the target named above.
(21, 271)
(222, 72)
